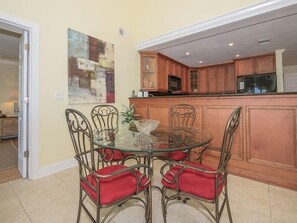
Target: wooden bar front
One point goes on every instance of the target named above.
(264, 147)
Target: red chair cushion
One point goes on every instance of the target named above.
(113, 188)
(113, 155)
(193, 182)
(177, 155)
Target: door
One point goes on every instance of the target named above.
(23, 104)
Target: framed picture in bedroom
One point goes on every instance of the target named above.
(90, 69)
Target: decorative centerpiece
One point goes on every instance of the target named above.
(146, 126)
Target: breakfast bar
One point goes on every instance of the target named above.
(264, 147)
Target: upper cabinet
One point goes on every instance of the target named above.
(155, 69)
(255, 65)
(213, 79)
(153, 72)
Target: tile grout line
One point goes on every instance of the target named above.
(17, 197)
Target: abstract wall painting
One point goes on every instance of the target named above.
(90, 69)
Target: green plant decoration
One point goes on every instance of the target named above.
(128, 114)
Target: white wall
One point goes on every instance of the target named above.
(101, 19)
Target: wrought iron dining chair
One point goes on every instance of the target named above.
(106, 118)
(199, 182)
(180, 116)
(107, 187)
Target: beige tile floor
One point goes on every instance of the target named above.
(53, 199)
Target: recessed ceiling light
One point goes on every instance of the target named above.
(187, 53)
(237, 55)
(231, 44)
(200, 61)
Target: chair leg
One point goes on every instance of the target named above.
(79, 206)
(147, 207)
(217, 218)
(228, 205)
(163, 205)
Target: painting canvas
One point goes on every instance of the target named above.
(90, 69)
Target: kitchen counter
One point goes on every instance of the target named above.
(220, 95)
(265, 145)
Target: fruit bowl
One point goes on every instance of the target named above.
(146, 126)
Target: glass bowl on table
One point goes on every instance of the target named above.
(146, 126)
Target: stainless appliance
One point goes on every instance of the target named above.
(263, 83)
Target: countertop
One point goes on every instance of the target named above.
(221, 95)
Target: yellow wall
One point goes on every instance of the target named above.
(142, 19)
(157, 17)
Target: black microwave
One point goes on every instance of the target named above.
(263, 83)
(174, 83)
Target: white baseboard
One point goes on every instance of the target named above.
(56, 167)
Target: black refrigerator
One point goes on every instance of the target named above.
(263, 83)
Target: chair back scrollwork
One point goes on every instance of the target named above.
(105, 117)
(181, 116)
(230, 129)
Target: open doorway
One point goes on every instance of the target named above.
(28, 89)
(9, 98)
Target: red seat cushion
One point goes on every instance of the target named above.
(193, 182)
(113, 155)
(116, 187)
(174, 155)
(177, 155)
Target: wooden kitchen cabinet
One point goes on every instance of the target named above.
(215, 79)
(221, 74)
(265, 64)
(153, 72)
(202, 80)
(211, 79)
(193, 79)
(8, 127)
(264, 146)
(230, 79)
(255, 65)
(155, 69)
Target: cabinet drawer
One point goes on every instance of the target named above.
(6, 122)
(9, 131)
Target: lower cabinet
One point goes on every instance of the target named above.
(8, 127)
(265, 144)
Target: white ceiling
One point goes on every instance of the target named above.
(211, 45)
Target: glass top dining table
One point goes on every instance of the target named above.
(161, 140)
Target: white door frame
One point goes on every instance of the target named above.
(17, 25)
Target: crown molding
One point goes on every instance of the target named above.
(248, 12)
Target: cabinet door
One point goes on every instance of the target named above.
(265, 64)
(245, 67)
(171, 68)
(193, 86)
(149, 78)
(184, 78)
(178, 72)
(202, 80)
(221, 78)
(162, 74)
(211, 79)
(230, 79)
